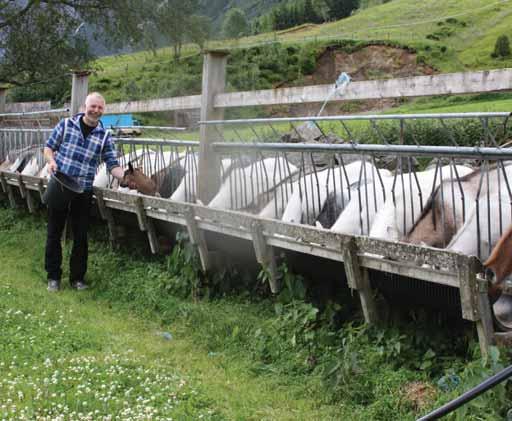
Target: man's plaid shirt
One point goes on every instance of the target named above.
(79, 157)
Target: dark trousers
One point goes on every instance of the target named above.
(79, 211)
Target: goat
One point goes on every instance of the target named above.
(445, 211)
(500, 260)
(5, 164)
(135, 179)
(44, 172)
(483, 228)
(275, 207)
(366, 200)
(312, 190)
(470, 212)
(186, 190)
(402, 209)
(244, 186)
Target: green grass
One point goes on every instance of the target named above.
(71, 354)
(100, 353)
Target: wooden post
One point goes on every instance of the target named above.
(3, 94)
(475, 301)
(357, 278)
(41, 190)
(106, 215)
(146, 224)
(197, 239)
(265, 256)
(8, 189)
(21, 187)
(79, 90)
(214, 80)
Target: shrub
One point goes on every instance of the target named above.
(502, 47)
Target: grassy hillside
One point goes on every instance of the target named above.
(453, 35)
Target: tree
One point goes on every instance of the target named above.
(310, 14)
(42, 39)
(178, 23)
(339, 9)
(235, 23)
(502, 47)
(37, 58)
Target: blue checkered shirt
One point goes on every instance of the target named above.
(78, 157)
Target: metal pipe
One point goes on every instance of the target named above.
(36, 113)
(360, 117)
(17, 129)
(147, 127)
(469, 395)
(149, 141)
(353, 148)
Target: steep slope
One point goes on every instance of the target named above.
(454, 34)
(429, 36)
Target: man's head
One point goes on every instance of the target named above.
(94, 108)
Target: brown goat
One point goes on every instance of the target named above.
(500, 260)
(135, 179)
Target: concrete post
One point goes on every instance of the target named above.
(214, 81)
(3, 94)
(79, 91)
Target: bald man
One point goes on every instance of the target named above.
(75, 148)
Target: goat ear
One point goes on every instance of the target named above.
(130, 167)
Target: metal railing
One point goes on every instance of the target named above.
(393, 188)
(395, 182)
(469, 395)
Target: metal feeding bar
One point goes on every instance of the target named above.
(466, 152)
(398, 169)
(36, 113)
(17, 130)
(179, 129)
(151, 141)
(489, 129)
(443, 116)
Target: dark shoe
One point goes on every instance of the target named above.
(53, 285)
(79, 285)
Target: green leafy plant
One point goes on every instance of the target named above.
(501, 47)
(183, 273)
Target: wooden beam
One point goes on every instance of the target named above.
(160, 104)
(3, 94)
(357, 278)
(30, 201)
(8, 189)
(79, 90)
(197, 239)
(475, 301)
(484, 326)
(146, 224)
(41, 190)
(21, 186)
(443, 84)
(106, 215)
(214, 81)
(265, 256)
